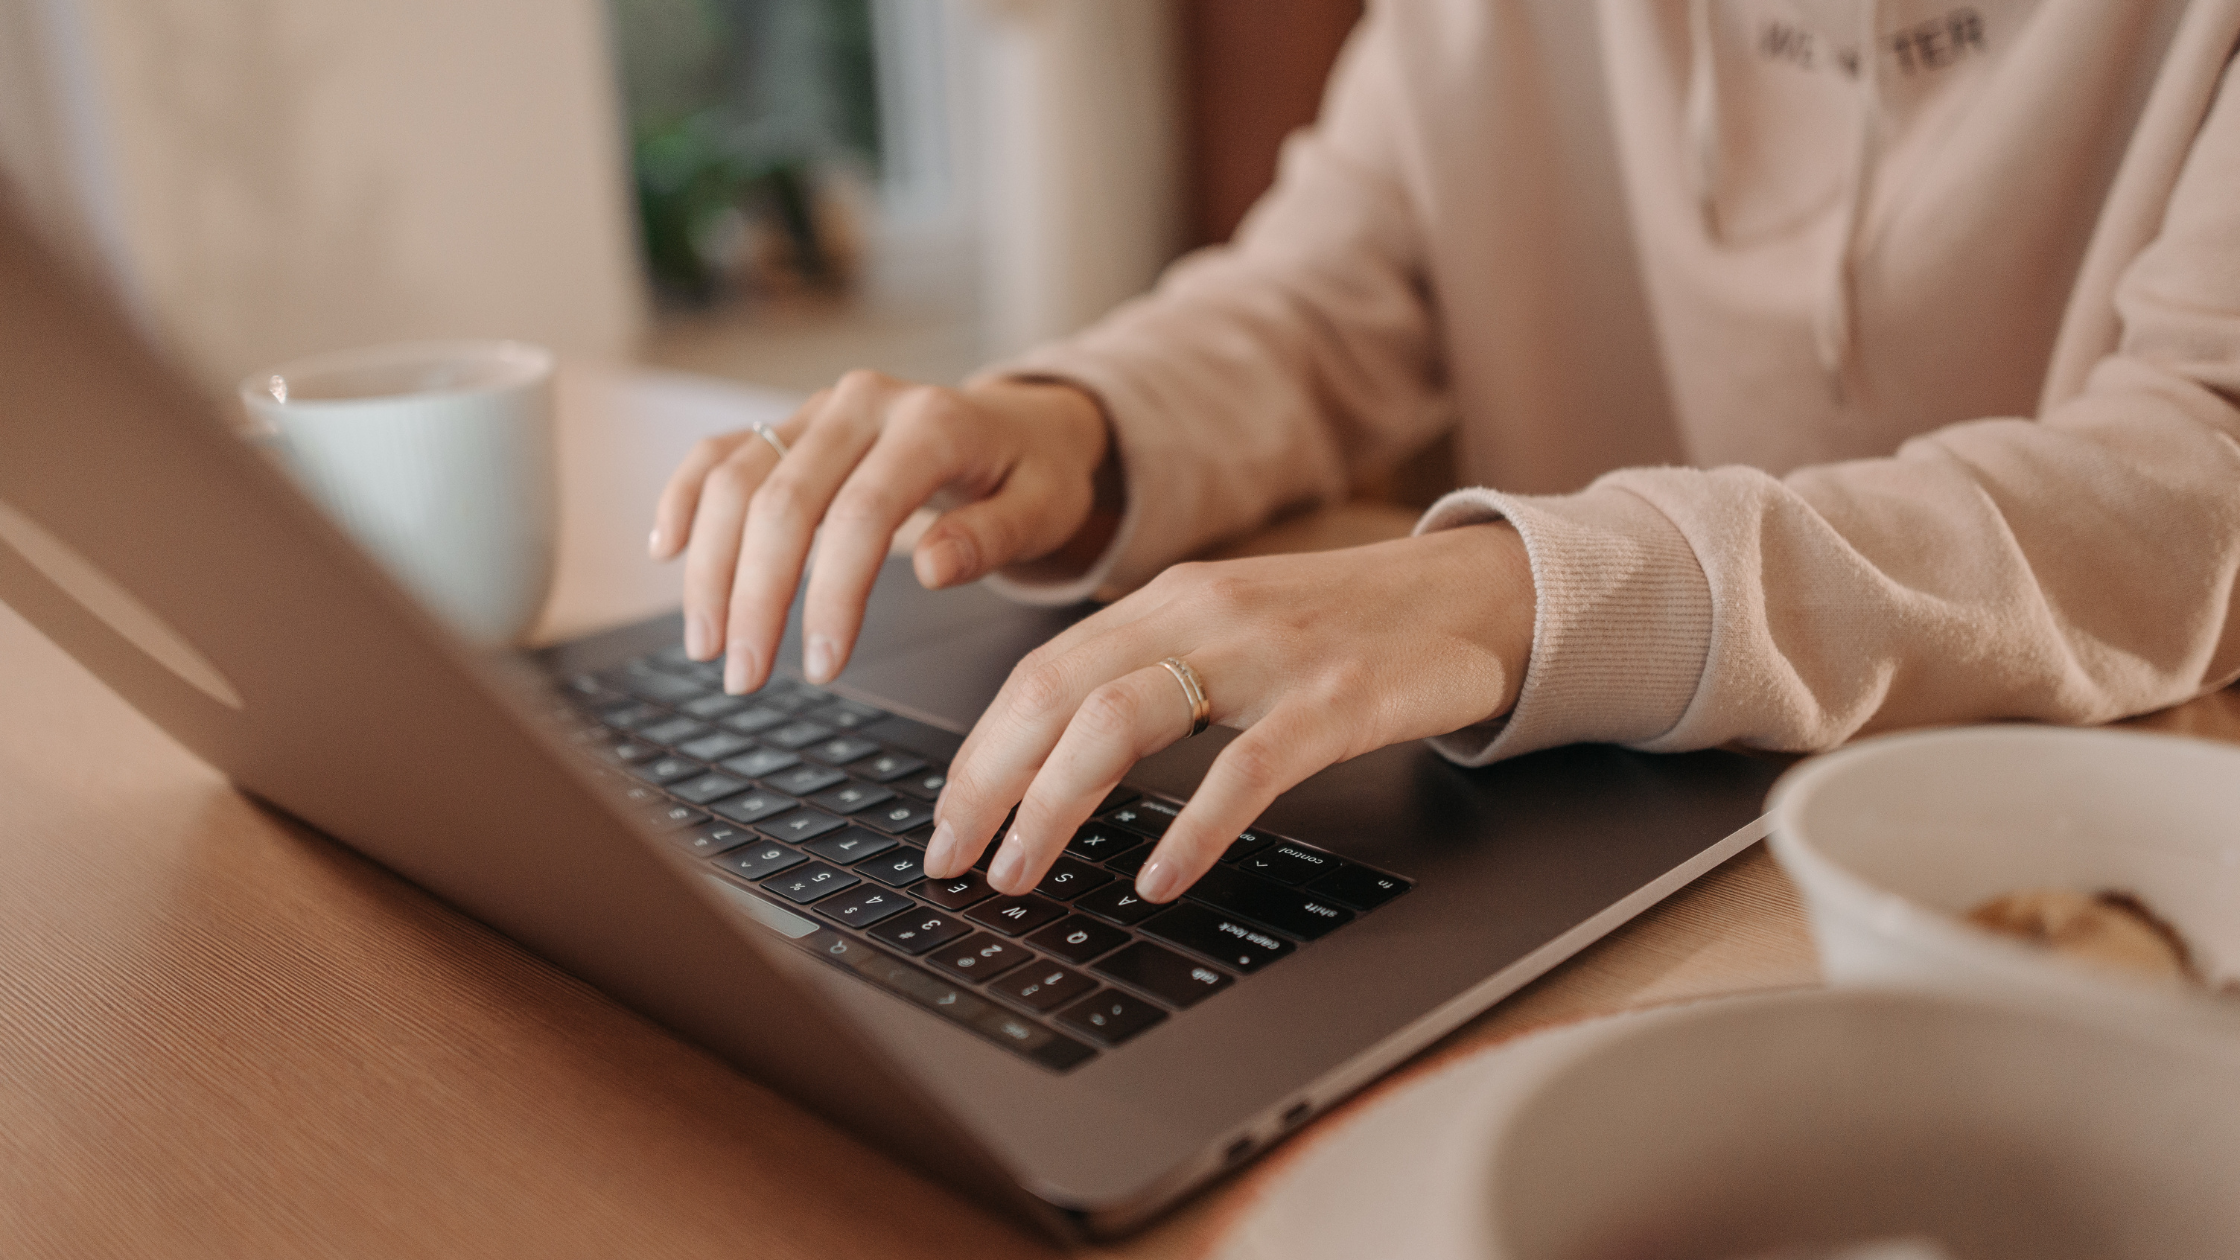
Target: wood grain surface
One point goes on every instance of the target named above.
(222, 1035)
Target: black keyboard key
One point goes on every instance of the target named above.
(968, 889)
(1078, 938)
(759, 860)
(626, 751)
(791, 697)
(850, 845)
(846, 715)
(1116, 798)
(715, 747)
(840, 750)
(585, 690)
(926, 785)
(1111, 1017)
(711, 838)
(1168, 976)
(981, 957)
(641, 794)
(673, 732)
(887, 766)
(670, 816)
(1117, 902)
(1128, 864)
(662, 770)
(708, 787)
(1290, 863)
(918, 932)
(899, 869)
(661, 688)
(1149, 816)
(794, 828)
(898, 816)
(630, 717)
(804, 779)
(709, 708)
(1355, 885)
(850, 797)
(753, 807)
(804, 884)
(756, 720)
(794, 736)
(1287, 910)
(1069, 878)
(1235, 944)
(1098, 842)
(761, 763)
(1044, 986)
(944, 998)
(865, 905)
(1015, 915)
(1246, 845)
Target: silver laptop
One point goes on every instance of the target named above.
(744, 869)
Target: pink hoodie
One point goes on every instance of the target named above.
(1921, 367)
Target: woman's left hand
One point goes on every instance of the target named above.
(1317, 658)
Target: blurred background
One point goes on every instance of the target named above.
(771, 191)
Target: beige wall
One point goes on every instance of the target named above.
(297, 175)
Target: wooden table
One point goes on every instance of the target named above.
(222, 1035)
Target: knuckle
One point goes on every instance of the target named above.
(728, 482)
(862, 381)
(1254, 765)
(1042, 688)
(780, 495)
(1110, 712)
(864, 506)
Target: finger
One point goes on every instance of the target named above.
(1027, 517)
(781, 523)
(712, 554)
(915, 454)
(680, 498)
(1119, 724)
(1009, 743)
(1265, 761)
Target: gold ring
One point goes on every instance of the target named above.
(1194, 691)
(764, 432)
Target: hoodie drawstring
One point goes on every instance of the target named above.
(1834, 328)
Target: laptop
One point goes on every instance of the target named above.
(744, 869)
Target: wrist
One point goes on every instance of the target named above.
(1071, 425)
(1495, 602)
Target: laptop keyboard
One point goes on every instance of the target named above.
(812, 811)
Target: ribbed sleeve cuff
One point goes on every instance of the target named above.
(1622, 630)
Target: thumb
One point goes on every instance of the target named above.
(1026, 518)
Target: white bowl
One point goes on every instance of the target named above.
(1820, 1119)
(1736, 1126)
(1893, 839)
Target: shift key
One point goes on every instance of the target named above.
(1287, 910)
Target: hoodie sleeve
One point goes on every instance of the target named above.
(2077, 567)
(1263, 374)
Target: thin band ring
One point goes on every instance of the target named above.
(764, 432)
(1193, 691)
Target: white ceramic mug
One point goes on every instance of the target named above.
(439, 458)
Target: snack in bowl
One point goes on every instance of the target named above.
(1893, 841)
(2108, 928)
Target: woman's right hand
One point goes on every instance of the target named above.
(1021, 461)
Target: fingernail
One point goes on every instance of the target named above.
(738, 666)
(1010, 863)
(1157, 881)
(941, 848)
(945, 562)
(699, 636)
(821, 659)
(653, 544)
